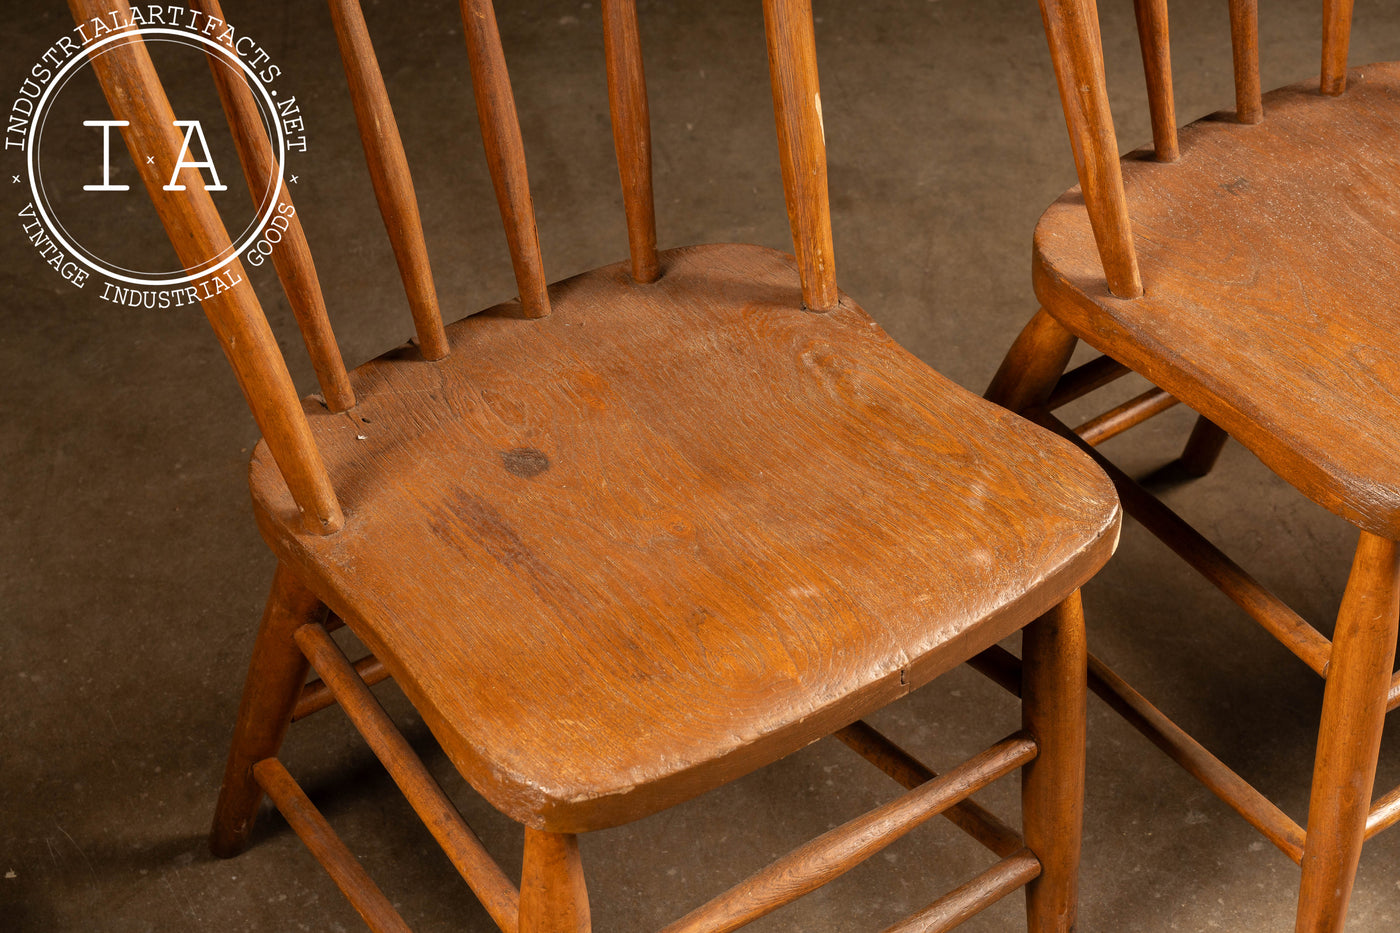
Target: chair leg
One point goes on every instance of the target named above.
(1053, 704)
(275, 677)
(1203, 447)
(1353, 715)
(553, 898)
(1033, 364)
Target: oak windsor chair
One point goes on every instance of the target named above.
(1246, 265)
(616, 566)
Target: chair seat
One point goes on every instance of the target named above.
(672, 532)
(1270, 259)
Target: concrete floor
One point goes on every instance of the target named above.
(131, 575)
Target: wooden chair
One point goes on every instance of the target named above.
(1246, 265)
(635, 534)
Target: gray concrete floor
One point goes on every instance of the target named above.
(131, 576)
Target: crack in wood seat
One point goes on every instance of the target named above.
(675, 531)
(1270, 258)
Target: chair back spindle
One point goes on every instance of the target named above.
(1072, 30)
(505, 152)
(292, 259)
(1154, 38)
(388, 171)
(631, 124)
(1336, 39)
(792, 63)
(134, 93)
(1244, 45)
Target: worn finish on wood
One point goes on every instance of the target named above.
(1289, 214)
(292, 258)
(1053, 699)
(553, 897)
(1072, 29)
(1244, 45)
(797, 105)
(1349, 739)
(1336, 40)
(1154, 37)
(511, 500)
(133, 91)
(836, 851)
(338, 861)
(388, 170)
(505, 152)
(631, 123)
(969, 816)
(968, 899)
(274, 680)
(458, 841)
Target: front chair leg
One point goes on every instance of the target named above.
(1203, 447)
(553, 898)
(1353, 715)
(1053, 705)
(275, 677)
(1033, 364)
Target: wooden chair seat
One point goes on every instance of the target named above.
(1290, 340)
(718, 526)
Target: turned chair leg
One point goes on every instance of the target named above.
(553, 898)
(1203, 447)
(1033, 364)
(275, 677)
(1353, 715)
(1053, 704)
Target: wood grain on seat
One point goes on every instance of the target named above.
(1270, 258)
(671, 532)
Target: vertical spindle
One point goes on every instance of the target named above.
(505, 152)
(1155, 40)
(797, 104)
(631, 124)
(292, 258)
(1244, 42)
(1336, 40)
(388, 171)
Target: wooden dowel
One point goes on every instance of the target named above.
(1244, 43)
(553, 895)
(972, 898)
(1295, 634)
(1083, 379)
(476, 866)
(338, 861)
(1385, 813)
(1336, 40)
(316, 696)
(1155, 40)
(631, 125)
(812, 865)
(1393, 698)
(999, 666)
(388, 171)
(1072, 29)
(797, 105)
(505, 152)
(1235, 791)
(1203, 447)
(969, 816)
(1128, 415)
(292, 257)
(1036, 359)
(134, 93)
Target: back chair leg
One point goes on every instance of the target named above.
(1353, 715)
(553, 898)
(275, 677)
(1033, 364)
(1203, 447)
(1053, 701)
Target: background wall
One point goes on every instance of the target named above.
(131, 576)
